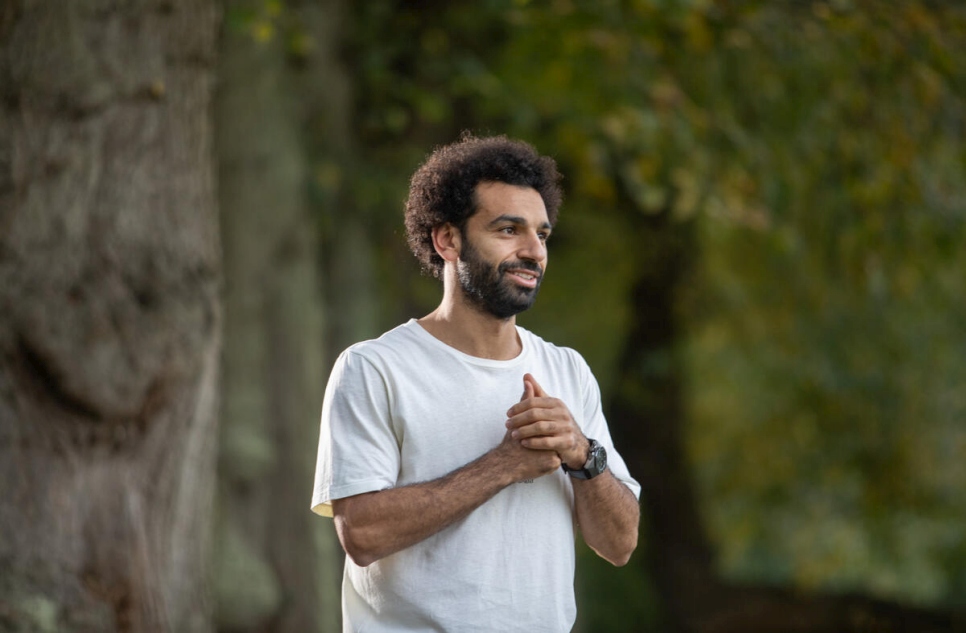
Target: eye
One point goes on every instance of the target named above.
(508, 230)
(543, 235)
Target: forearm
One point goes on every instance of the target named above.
(608, 515)
(377, 524)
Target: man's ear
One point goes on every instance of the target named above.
(447, 241)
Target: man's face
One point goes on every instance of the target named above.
(503, 252)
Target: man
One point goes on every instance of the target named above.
(455, 497)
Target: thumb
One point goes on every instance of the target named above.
(527, 388)
(532, 384)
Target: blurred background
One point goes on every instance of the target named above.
(760, 255)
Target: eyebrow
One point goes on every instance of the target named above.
(516, 219)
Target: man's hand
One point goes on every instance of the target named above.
(525, 463)
(607, 511)
(373, 525)
(540, 433)
(540, 422)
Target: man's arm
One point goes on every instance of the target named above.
(608, 515)
(607, 511)
(376, 524)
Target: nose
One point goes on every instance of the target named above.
(533, 248)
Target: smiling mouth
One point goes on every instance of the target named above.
(526, 278)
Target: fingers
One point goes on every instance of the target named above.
(552, 444)
(534, 406)
(542, 426)
(527, 389)
(533, 397)
(538, 391)
(530, 391)
(542, 429)
(540, 422)
(543, 405)
(530, 462)
(537, 429)
(536, 413)
(559, 443)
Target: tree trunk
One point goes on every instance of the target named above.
(647, 414)
(109, 315)
(349, 257)
(326, 96)
(271, 561)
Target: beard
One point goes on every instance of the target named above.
(487, 287)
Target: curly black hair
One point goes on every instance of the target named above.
(443, 188)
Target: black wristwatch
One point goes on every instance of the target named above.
(595, 465)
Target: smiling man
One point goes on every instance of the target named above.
(459, 453)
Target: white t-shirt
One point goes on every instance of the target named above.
(407, 408)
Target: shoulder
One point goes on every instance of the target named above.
(390, 349)
(557, 355)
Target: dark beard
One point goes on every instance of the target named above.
(486, 287)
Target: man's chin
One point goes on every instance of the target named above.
(509, 310)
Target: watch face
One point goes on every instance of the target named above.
(595, 465)
(598, 457)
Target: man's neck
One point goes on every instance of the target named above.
(472, 331)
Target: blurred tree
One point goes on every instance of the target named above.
(275, 567)
(324, 96)
(110, 319)
(327, 90)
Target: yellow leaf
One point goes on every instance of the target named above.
(263, 31)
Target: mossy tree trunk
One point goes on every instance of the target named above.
(109, 315)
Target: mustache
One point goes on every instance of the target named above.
(521, 265)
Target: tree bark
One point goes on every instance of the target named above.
(109, 315)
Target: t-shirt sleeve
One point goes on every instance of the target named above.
(596, 427)
(358, 449)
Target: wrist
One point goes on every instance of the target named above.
(596, 463)
(580, 456)
(504, 465)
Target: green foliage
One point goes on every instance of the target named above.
(820, 148)
(827, 379)
(259, 19)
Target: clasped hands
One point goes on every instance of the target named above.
(541, 423)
